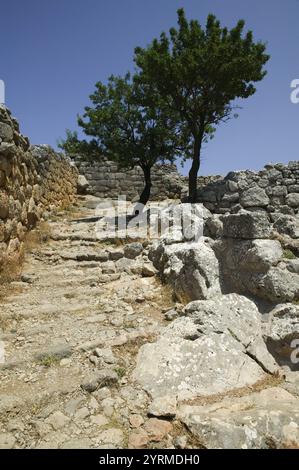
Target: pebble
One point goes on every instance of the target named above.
(148, 270)
(82, 413)
(163, 407)
(101, 379)
(114, 436)
(157, 429)
(99, 420)
(136, 421)
(171, 315)
(102, 393)
(57, 420)
(65, 362)
(138, 439)
(181, 442)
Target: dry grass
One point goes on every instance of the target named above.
(34, 238)
(132, 346)
(4, 322)
(12, 266)
(267, 382)
(290, 445)
(10, 271)
(128, 352)
(193, 441)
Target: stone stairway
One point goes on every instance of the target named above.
(76, 314)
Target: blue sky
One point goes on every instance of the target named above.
(53, 52)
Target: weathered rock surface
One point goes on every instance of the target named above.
(286, 224)
(247, 225)
(282, 335)
(261, 420)
(89, 362)
(217, 347)
(256, 267)
(254, 197)
(163, 407)
(82, 185)
(133, 250)
(191, 268)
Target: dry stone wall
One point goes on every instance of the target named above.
(33, 179)
(274, 189)
(106, 179)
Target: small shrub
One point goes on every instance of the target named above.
(48, 361)
(288, 254)
(121, 372)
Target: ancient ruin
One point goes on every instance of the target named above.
(145, 343)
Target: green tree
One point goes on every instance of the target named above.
(200, 72)
(73, 146)
(128, 123)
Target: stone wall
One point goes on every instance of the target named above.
(33, 179)
(107, 180)
(275, 189)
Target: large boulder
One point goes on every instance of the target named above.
(292, 200)
(247, 225)
(262, 254)
(254, 197)
(191, 268)
(279, 285)
(261, 420)
(213, 226)
(286, 224)
(6, 132)
(257, 267)
(249, 255)
(82, 185)
(282, 335)
(181, 222)
(215, 348)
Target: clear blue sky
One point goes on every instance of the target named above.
(53, 52)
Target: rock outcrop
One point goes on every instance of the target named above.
(237, 337)
(215, 347)
(192, 269)
(252, 261)
(264, 420)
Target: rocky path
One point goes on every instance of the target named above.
(71, 328)
(89, 364)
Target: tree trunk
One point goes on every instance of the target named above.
(194, 171)
(145, 195)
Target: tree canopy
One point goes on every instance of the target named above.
(199, 72)
(129, 123)
(185, 84)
